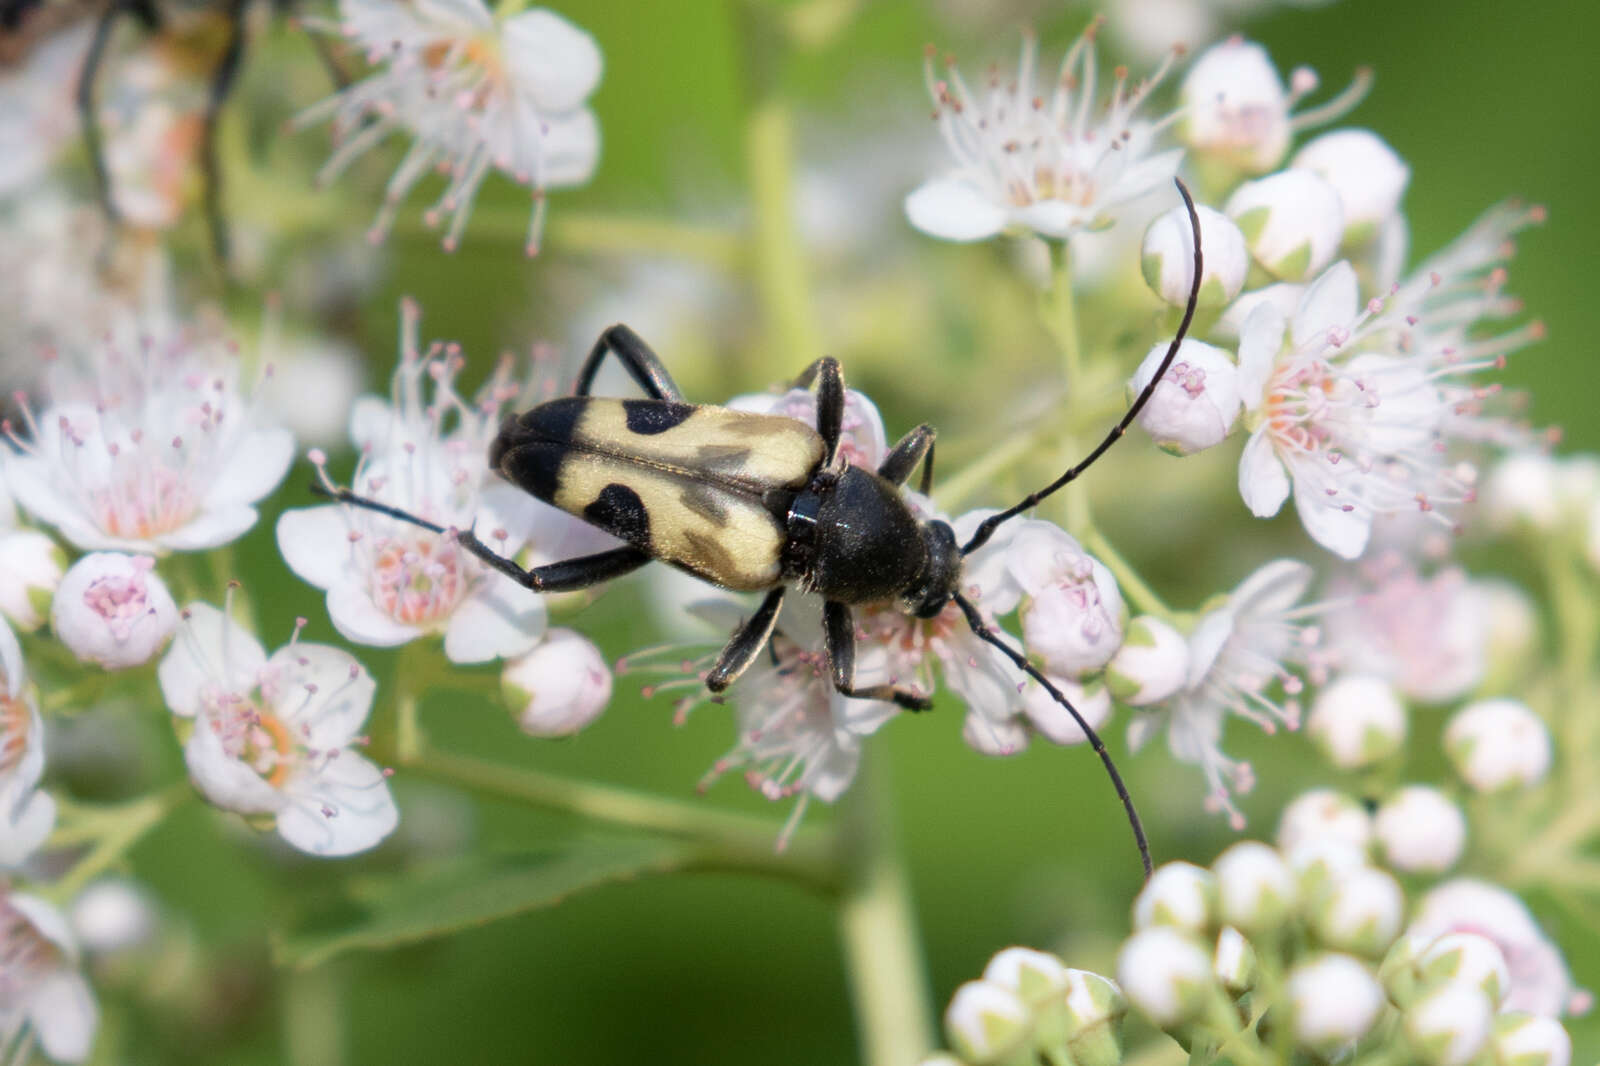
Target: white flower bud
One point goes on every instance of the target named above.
(1319, 861)
(31, 566)
(1521, 492)
(114, 610)
(1468, 958)
(1072, 613)
(1450, 1024)
(1168, 257)
(113, 914)
(1035, 976)
(1531, 1040)
(1053, 721)
(1094, 1010)
(1366, 173)
(1235, 109)
(1421, 830)
(1197, 402)
(1255, 889)
(1335, 1001)
(986, 1022)
(1357, 721)
(1235, 961)
(1324, 812)
(1166, 974)
(559, 687)
(1292, 222)
(1151, 665)
(1359, 912)
(1498, 743)
(1178, 894)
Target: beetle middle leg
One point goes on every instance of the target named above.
(913, 448)
(841, 634)
(830, 401)
(642, 364)
(746, 644)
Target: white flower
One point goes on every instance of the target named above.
(1357, 720)
(1179, 894)
(1235, 108)
(42, 992)
(1420, 830)
(1151, 665)
(559, 687)
(113, 610)
(37, 118)
(31, 566)
(1046, 160)
(1496, 744)
(474, 93)
(1335, 1001)
(1359, 911)
(1165, 973)
(27, 815)
(1530, 1039)
(1448, 1025)
(1467, 958)
(275, 735)
(1072, 610)
(1196, 403)
(986, 1022)
(1366, 173)
(1236, 652)
(1167, 257)
(390, 582)
(1540, 982)
(1255, 887)
(148, 447)
(1323, 813)
(1292, 221)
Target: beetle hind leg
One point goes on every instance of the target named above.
(746, 644)
(841, 632)
(641, 363)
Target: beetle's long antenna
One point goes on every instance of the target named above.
(987, 635)
(993, 522)
(344, 495)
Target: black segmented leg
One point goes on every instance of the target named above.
(830, 400)
(841, 630)
(746, 644)
(913, 448)
(636, 357)
(211, 170)
(85, 101)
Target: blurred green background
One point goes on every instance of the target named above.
(1484, 100)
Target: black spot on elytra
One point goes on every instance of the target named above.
(650, 417)
(619, 511)
(534, 467)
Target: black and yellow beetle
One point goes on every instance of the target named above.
(758, 502)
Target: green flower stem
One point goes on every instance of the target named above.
(780, 261)
(732, 841)
(314, 1016)
(115, 831)
(878, 927)
(1058, 311)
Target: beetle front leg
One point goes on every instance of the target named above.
(746, 644)
(642, 364)
(913, 448)
(830, 400)
(841, 633)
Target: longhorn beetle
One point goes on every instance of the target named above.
(758, 502)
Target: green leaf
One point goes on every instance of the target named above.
(393, 911)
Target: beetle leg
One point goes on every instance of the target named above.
(636, 357)
(569, 575)
(746, 644)
(830, 400)
(913, 448)
(841, 631)
(211, 170)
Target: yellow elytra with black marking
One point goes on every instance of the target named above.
(706, 489)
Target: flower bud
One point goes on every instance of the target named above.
(1291, 221)
(1053, 721)
(31, 566)
(1512, 622)
(1197, 402)
(1094, 1008)
(1334, 1001)
(1495, 744)
(1151, 665)
(1400, 972)
(1035, 976)
(1255, 889)
(1236, 112)
(1357, 721)
(1531, 1040)
(1072, 613)
(1324, 812)
(1318, 862)
(986, 1022)
(1235, 961)
(111, 915)
(1168, 257)
(1520, 492)
(1366, 173)
(994, 736)
(1166, 974)
(1468, 958)
(1178, 894)
(1420, 830)
(114, 610)
(1448, 1025)
(559, 687)
(1359, 912)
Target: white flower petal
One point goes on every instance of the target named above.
(499, 620)
(1260, 338)
(1342, 532)
(358, 619)
(209, 652)
(210, 529)
(256, 466)
(1332, 300)
(322, 691)
(568, 150)
(13, 671)
(345, 808)
(954, 210)
(1263, 481)
(23, 826)
(224, 780)
(1053, 218)
(315, 543)
(554, 62)
(1274, 587)
(64, 1016)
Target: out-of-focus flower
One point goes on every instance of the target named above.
(1165, 973)
(1196, 403)
(1470, 959)
(1449, 1024)
(1072, 610)
(475, 93)
(1151, 665)
(113, 610)
(1167, 258)
(1521, 491)
(1046, 161)
(1365, 172)
(310, 385)
(30, 568)
(1359, 911)
(559, 687)
(26, 814)
(1357, 720)
(1420, 830)
(37, 119)
(1292, 222)
(1255, 888)
(1323, 813)
(1499, 743)
(389, 582)
(1178, 894)
(45, 994)
(148, 447)
(1531, 1039)
(986, 1022)
(276, 736)
(152, 119)
(1335, 1001)
(113, 914)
